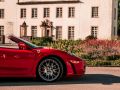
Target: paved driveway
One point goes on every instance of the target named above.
(96, 78)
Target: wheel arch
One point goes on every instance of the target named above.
(59, 58)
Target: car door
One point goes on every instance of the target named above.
(18, 62)
(2, 59)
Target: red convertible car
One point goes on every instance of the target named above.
(47, 64)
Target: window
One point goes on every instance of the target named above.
(114, 31)
(34, 12)
(58, 12)
(23, 13)
(2, 0)
(71, 32)
(1, 30)
(71, 12)
(58, 32)
(1, 13)
(34, 31)
(46, 12)
(95, 12)
(114, 13)
(94, 31)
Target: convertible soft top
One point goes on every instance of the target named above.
(15, 39)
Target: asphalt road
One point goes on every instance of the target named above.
(96, 78)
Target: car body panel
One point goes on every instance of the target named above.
(16, 62)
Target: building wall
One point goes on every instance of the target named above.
(10, 17)
(64, 21)
(104, 21)
(82, 20)
(114, 19)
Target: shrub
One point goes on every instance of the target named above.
(66, 45)
(96, 52)
(86, 57)
(42, 41)
(90, 37)
(101, 49)
(116, 63)
(113, 57)
(103, 63)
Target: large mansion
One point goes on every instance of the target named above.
(61, 19)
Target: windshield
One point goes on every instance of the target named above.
(29, 44)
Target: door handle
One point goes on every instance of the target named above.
(3, 56)
(16, 56)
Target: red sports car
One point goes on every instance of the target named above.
(47, 64)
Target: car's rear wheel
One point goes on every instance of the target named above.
(50, 69)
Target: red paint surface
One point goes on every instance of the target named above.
(23, 63)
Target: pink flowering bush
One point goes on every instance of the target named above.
(101, 49)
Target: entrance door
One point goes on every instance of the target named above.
(23, 31)
(0, 39)
(1, 34)
(48, 33)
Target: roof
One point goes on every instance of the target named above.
(49, 2)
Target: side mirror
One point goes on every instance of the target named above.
(22, 46)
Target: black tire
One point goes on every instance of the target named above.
(50, 69)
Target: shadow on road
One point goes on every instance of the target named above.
(88, 79)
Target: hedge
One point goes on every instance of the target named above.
(95, 52)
